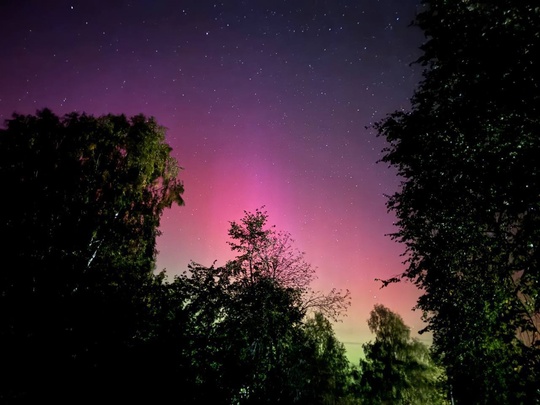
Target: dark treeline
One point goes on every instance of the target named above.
(85, 317)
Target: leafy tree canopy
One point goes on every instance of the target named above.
(84, 196)
(247, 324)
(468, 208)
(397, 369)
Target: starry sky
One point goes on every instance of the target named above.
(266, 103)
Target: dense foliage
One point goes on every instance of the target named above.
(469, 206)
(84, 315)
(80, 216)
(397, 369)
(248, 335)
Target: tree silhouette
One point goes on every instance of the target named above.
(397, 369)
(82, 210)
(468, 208)
(265, 252)
(246, 337)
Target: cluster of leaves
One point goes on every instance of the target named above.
(80, 214)
(251, 343)
(248, 339)
(397, 369)
(469, 206)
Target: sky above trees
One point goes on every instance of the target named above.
(266, 104)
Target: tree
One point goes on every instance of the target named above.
(397, 369)
(265, 252)
(267, 256)
(243, 326)
(468, 208)
(327, 375)
(234, 341)
(84, 205)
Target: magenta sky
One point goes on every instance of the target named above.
(266, 103)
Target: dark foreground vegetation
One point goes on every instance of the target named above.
(86, 318)
(469, 207)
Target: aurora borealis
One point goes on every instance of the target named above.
(266, 103)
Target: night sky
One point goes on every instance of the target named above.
(266, 103)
